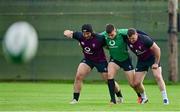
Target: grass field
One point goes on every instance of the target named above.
(94, 97)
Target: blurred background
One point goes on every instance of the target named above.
(57, 57)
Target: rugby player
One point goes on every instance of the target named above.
(119, 57)
(148, 54)
(92, 48)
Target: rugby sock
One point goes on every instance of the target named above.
(138, 94)
(76, 96)
(164, 94)
(143, 95)
(119, 94)
(111, 86)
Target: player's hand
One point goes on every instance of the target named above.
(155, 66)
(68, 33)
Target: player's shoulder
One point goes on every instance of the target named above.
(77, 33)
(122, 30)
(99, 36)
(103, 33)
(145, 38)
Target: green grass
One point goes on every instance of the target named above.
(94, 97)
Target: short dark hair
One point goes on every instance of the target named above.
(131, 31)
(87, 28)
(109, 28)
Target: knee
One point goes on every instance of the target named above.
(78, 77)
(110, 76)
(136, 84)
(158, 77)
(132, 85)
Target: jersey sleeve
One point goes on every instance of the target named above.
(147, 41)
(77, 35)
(104, 40)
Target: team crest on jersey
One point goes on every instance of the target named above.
(82, 43)
(131, 46)
(93, 44)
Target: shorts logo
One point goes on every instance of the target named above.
(112, 60)
(105, 69)
(130, 67)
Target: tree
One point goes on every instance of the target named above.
(173, 41)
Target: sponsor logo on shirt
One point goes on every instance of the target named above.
(112, 44)
(87, 50)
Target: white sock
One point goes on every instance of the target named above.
(143, 95)
(164, 94)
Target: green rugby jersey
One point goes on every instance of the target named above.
(117, 47)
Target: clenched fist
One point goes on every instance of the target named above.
(68, 33)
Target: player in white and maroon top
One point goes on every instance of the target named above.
(92, 48)
(148, 54)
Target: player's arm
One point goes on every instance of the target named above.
(104, 40)
(149, 43)
(68, 33)
(157, 52)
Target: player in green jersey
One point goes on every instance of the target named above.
(119, 57)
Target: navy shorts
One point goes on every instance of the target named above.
(144, 65)
(126, 65)
(100, 66)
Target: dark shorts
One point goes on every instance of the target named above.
(126, 65)
(100, 66)
(144, 65)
